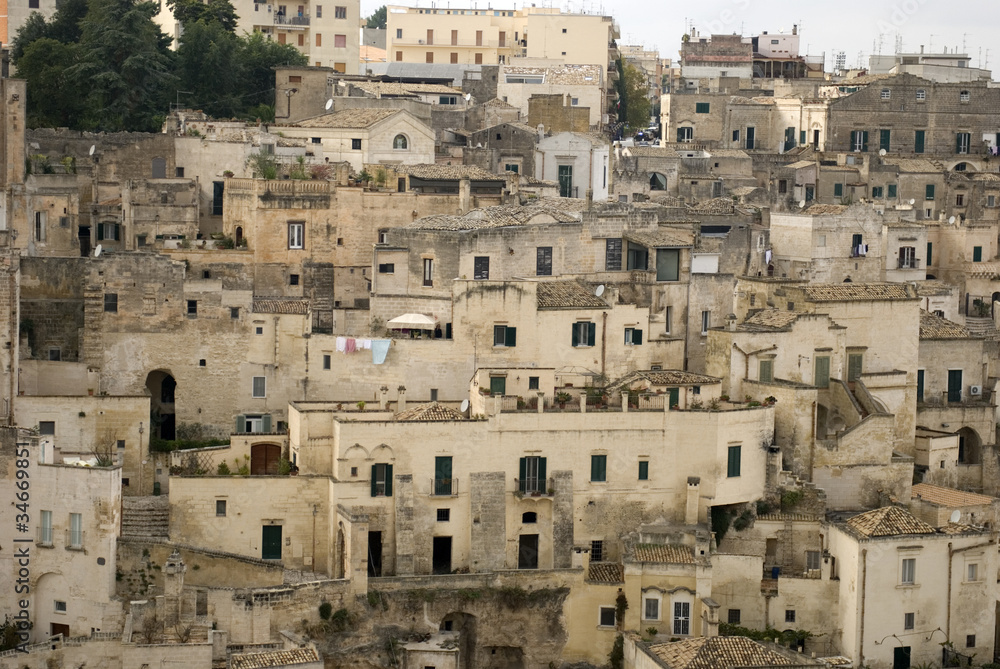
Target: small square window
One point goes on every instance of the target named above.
(293, 279)
(734, 616)
(60, 606)
(443, 515)
(789, 615)
(259, 387)
(356, 144)
(234, 312)
(908, 621)
(202, 363)
(354, 471)
(55, 354)
(532, 383)
(192, 307)
(326, 361)
(259, 330)
(111, 303)
(607, 618)
(220, 507)
(47, 427)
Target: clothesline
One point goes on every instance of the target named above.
(378, 347)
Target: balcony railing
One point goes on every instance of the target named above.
(284, 20)
(45, 536)
(75, 539)
(908, 263)
(444, 487)
(533, 486)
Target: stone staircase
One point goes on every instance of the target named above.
(146, 517)
(982, 327)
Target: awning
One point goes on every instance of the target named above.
(412, 322)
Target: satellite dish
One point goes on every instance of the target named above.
(881, 152)
(912, 201)
(93, 147)
(329, 103)
(599, 291)
(97, 251)
(956, 516)
(951, 220)
(468, 96)
(802, 204)
(465, 405)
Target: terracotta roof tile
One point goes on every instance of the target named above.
(769, 320)
(722, 652)
(666, 377)
(559, 74)
(661, 553)
(280, 305)
(501, 216)
(858, 292)
(497, 103)
(961, 528)
(606, 572)
(935, 327)
(448, 172)
(277, 658)
(933, 287)
(429, 412)
(719, 205)
(661, 237)
(349, 118)
(568, 295)
(949, 497)
(918, 165)
(889, 521)
(824, 209)
(393, 88)
(651, 152)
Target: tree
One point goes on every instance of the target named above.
(189, 12)
(634, 105)
(125, 66)
(209, 47)
(54, 98)
(377, 19)
(33, 29)
(259, 57)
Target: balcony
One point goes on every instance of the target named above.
(907, 263)
(75, 539)
(444, 487)
(44, 538)
(291, 21)
(534, 487)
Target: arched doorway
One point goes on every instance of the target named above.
(239, 235)
(969, 447)
(464, 624)
(657, 181)
(341, 552)
(162, 396)
(264, 459)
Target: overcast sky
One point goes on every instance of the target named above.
(852, 26)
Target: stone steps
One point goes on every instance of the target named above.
(982, 327)
(146, 517)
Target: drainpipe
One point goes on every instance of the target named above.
(947, 601)
(604, 342)
(861, 637)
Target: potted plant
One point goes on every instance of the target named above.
(361, 405)
(229, 174)
(562, 398)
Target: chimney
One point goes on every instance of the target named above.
(921, 48)
(401, 399)
(383, 398)
(583, 402)
(541, 131)
(464, 195)
(624, 401)
(693, 495)
(590, 199)
(541, 401)
(795, 29)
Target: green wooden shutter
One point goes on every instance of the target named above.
(598, 468)
(733, 469)
(591, 333)
(118, 232)
(929, 192)
(643, 470)
(266, 427)
(541, 475)
(958, 142)
(100, 231)
(920, 385)
(637, 337)
(918, 141)
(388, 480)
(576, 336)
(674, 396)
(374, 474)
(977, 254)
(510, 338)
(892, 191)
(854, 366)
(954, 385)
(838, 190)
(822, 377)
(522, 473)
(930, 249)
(241, 424)
(864, 140)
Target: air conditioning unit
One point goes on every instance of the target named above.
(420, 41)
(975, 391)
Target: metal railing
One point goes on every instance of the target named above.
(534, 486)
(283, 20)
(75, 539)
(444, 487)
(908, 263)
(45, 535)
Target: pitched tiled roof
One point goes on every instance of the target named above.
(858, 292)
(393, 88)
(277, 658)
(933, 287)
(721, 652)
(448, 172)
(661, 553)
(429, 412)
(661, 237)
(961, 528)
(769, 320)
(781, 516)
(280, 305)
(349, 118)
(798, 165)
(820, 209)
(986, 176)
(501, 216)
(666, 377)
(919, 165)
(568, 294)
(949, 497)
(652, 152)
(606, 572)
(889, 521)
(558, 74)
(933, 326)
(497, 103)
(719, 205)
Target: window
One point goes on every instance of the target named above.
(443, 515)
(386, 268)
(47, 427)
(909, 621)
(838, 190)
(504, 335)
(45, 531)
(105, 232)
(565, 174)
(918, 141)
(668, 317)
(341, 13)
(75, 530)
(930, 253)
(706, 317)
(921, 94)
(597, 551)
(963, 96)
(962, 140)
(977, 254)
(960, 200)
(855, 364)
(685, 135)
(736, 136)
(339, 41)
(892, 191)
(733, 465)
(192, 307)
(234, 313)
(399, 142)
(399, 34)
(259, 330)
(220, 507)
(481, 267)
(319, 39)
(970, 641)
(356, 144)
(886, 94)
(512, 167)
(381, 480)
(443, 483)
(532, 473)
(702, 107)
(972, 572)
(478, 57)
(60, 606)
(734, 616)
(789, 615)
(643, 470)
(399, 54)
(682, 618)
(259, 387)
(651, 608)
(859, 140)
(765, 373)
(812, 560)
(529, 517)
(543, 261)
(929, 192)
(293, 279)
(908, 571)
(428, 271)
(111, 302)
(877, 192)
(612, 255)
(633, 336)
(668, 263)
(821, 378)
(327, 360)
(55, 354)
(607, 616)
(991, 200)
(584, 334)
(599, 468)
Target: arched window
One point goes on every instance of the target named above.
(399, 142)
(657, 181)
